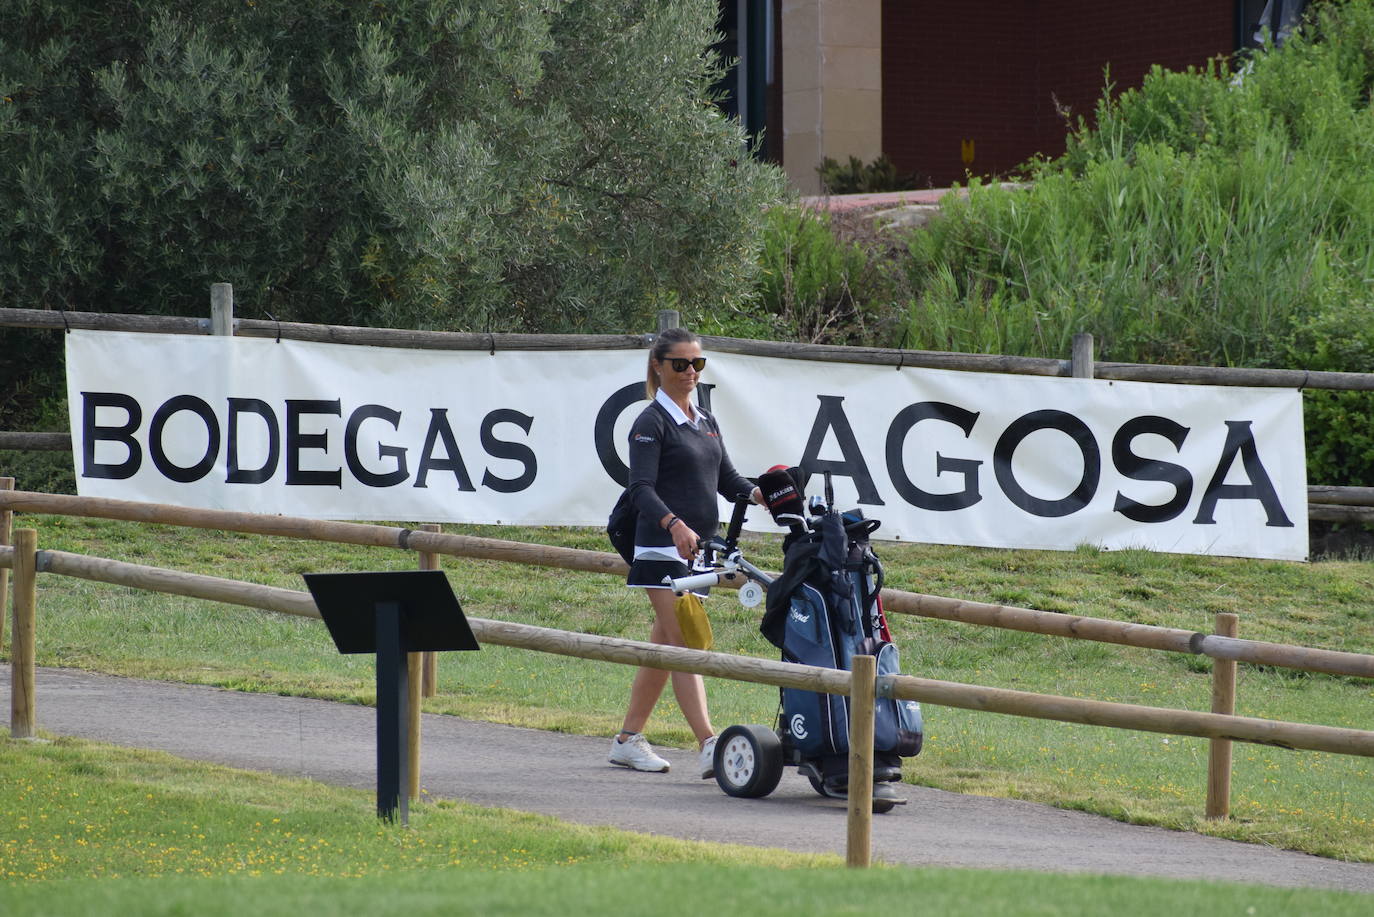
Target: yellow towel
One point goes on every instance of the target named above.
(691, 618)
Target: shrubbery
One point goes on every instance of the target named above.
(1205, 218)
(819, 283)
(858, 177)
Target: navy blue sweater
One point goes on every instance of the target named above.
(677, 469)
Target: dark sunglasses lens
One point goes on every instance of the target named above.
(680, 365)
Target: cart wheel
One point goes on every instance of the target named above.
(883, 805)
(817, 785)
(748, 761)
(885, 798)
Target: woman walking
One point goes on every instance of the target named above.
(678, 464)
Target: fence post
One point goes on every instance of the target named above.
(420, 683)
(22, 721)
(668, 318)
(1083, 355)
(222, 309)
(858, 850)
(430, 678)
(413, 667)
(1223, 701)
(6, 539)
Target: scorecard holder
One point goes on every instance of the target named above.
(391, 614)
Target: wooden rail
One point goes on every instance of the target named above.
(1007, 617)
(1129, 716)
(1144, 636)
(882, 356)
(356, 533)
(326, 334)
(746, 668)
(36, 442)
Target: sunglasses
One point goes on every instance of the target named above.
(680, 364)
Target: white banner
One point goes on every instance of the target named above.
(350, 432)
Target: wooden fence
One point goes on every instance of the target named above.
(1327, 503)
(1220, 726)
(1084, 366)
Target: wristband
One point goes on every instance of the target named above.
(671, 522)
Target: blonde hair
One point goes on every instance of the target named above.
(665, 342)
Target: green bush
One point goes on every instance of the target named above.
(814, 286)
(1203, 219)
(858, 177)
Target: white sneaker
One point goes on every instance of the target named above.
(706, 761)
(636, 754)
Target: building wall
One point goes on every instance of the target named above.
(990, 72)
(832, 93)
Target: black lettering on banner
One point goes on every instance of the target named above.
(902, 424)
(603, 431)
(1142, 469)
(164, 413)
(831, 416)
(236, 474)
(397, 454)
(296, 441)
(92, 433)
(504, 449)
(1239, 439)
(439, 429)
(1034, 422)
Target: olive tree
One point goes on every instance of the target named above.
(462, 164)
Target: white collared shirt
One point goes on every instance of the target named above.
(675, 412)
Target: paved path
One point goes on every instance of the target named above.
(568, 777)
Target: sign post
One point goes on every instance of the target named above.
(391, 614)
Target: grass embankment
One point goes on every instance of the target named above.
(1308, 801)
(142, 832)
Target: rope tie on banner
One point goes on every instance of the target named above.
(1306, 375)
(64, 319)
(901, 349)
(274, 318)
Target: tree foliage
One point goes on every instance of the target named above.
(465, 164)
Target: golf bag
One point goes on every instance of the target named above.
(822, 610)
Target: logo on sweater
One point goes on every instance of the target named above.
(643, 438)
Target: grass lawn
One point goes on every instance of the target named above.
(89, 829)
(1308, 801)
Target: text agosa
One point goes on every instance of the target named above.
(289, 445)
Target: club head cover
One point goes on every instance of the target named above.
(782, 495)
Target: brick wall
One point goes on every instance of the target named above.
(989, 71)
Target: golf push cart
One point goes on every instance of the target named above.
(822, 610)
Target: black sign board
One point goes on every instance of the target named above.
(391, 614)
(431, 619)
